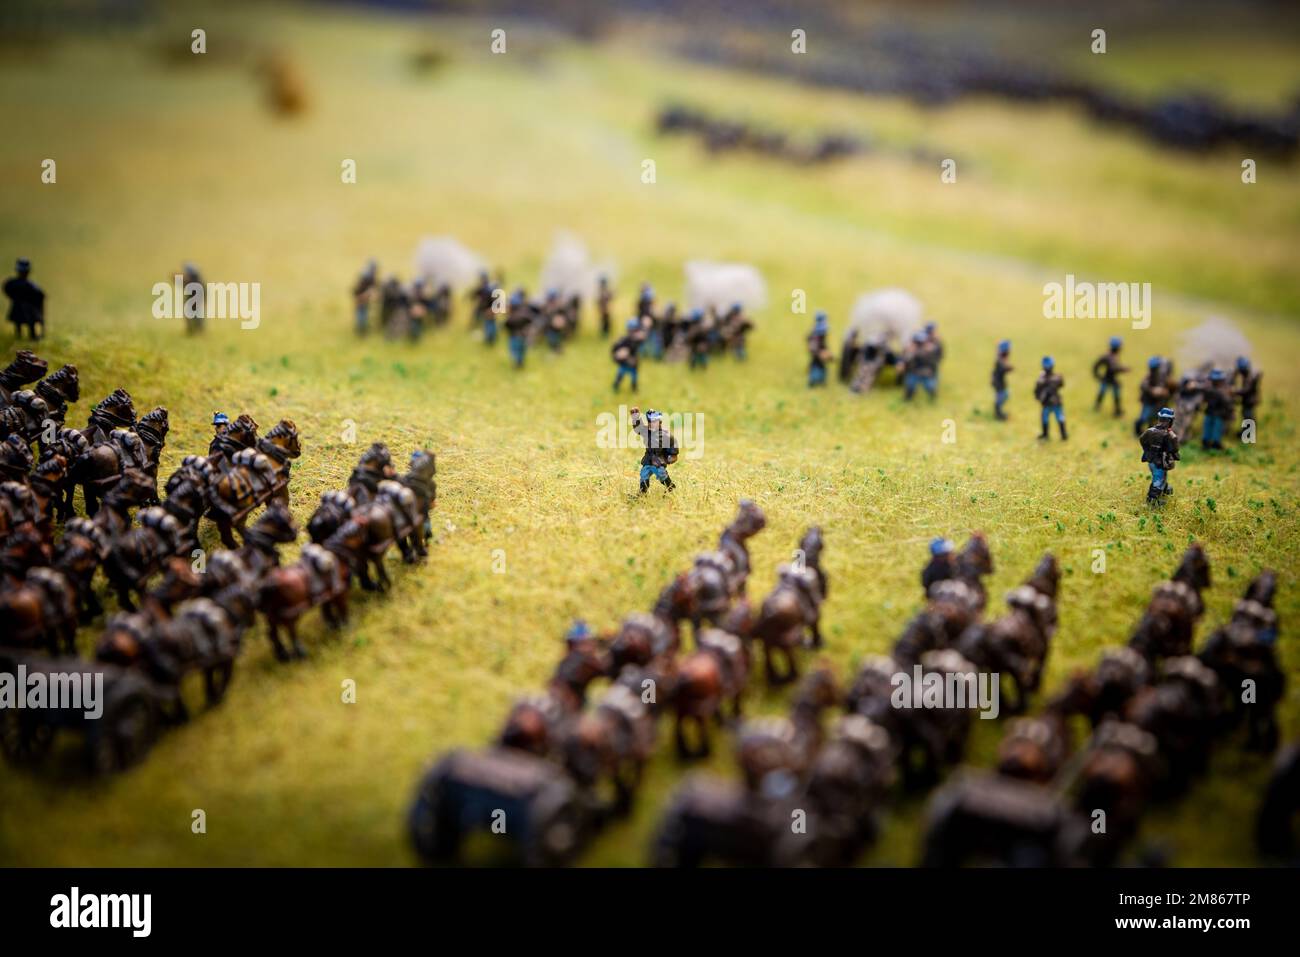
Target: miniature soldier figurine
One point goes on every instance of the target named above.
(660, 448)
(552, 319)
(645, 303)
(697, 338)
(26, 302)
(818, 353)
(942, 566)
(735, 328)
(195, 307)
(1153, 390)
(624, 353)
(518, 319)
(220, 421)
(363, 294)
(1000, 369)
(604, 297)
(1047, 390)
(1159, 452)
(1248, 391)
(1218, 406)
(936, 344)
(849, 355)
(1107, 369)
(919, 367)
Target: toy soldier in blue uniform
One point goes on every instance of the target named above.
(942, 565)
(1160, 452)
(26, 302)
(1000, 369)
(660, 448)
(1153, 390)
(1218, 407)
(1248, 391)
(645, 303)
(363, 293)
(518, 318)
(1047, 390)
(697, 338)
(624, 353)
(920, 367)
(604, 298)
(818, 353)
(1107, 369)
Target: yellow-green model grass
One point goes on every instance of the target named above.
(162, 158)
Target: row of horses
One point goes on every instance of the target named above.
(559, 768)
(1154, 710)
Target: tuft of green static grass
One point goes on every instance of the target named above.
(502, 154)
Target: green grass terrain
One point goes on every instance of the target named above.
(163, 158)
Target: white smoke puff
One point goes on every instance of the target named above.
(441, 259)
(719, 285)
(894, 314)
(569, 268)
(1215, 343)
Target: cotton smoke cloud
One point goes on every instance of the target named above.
(892, 313)
(569, 268)
(1217, 342)
(718, 285)
(441, 259)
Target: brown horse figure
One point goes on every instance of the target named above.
(152, 430)
(25, 369)
(187, 500)
(770, 747)
(101, 466)
(1241, 655)
(115, 411)
(38, 605)
(70, 445)
(705, 681)
(286, 593)
(57, 390)
(640, 640)
(847, 784)
(1015, 645)
(281, 446)
(375, 466)
(419, 478)
(250, 480)
(789, 619)
(20, 508)
(139, 552)
(733, 543)
(1182, 712)
(132, 491)
(16, 459)
(12, 422)
(406, 518)
(334, 509)
(610, 743)
(973, 563)
(179, 582)
(199, 638)
(700, 595)
(82, 549)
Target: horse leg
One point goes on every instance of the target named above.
(92, 501)
(816, 629)
(381, 573)
(405, 548)
(274, 632)
(227, 539)
(298, 650)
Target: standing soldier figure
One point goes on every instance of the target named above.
(363, 293)
(604, 297)
(920, 367)
(1000, 369)
(518, 319)
(191, 277)
(26, 302)
(1248, 391)
(624, 353)
(660, 448)
(1159, 452)
(697, 338)
(1218, 406)
(818, 353)
(645, 303)
(1107, 368)
(1047, 390)
(1154, 392)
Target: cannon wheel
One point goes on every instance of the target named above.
(24, 738)
(124, 734)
